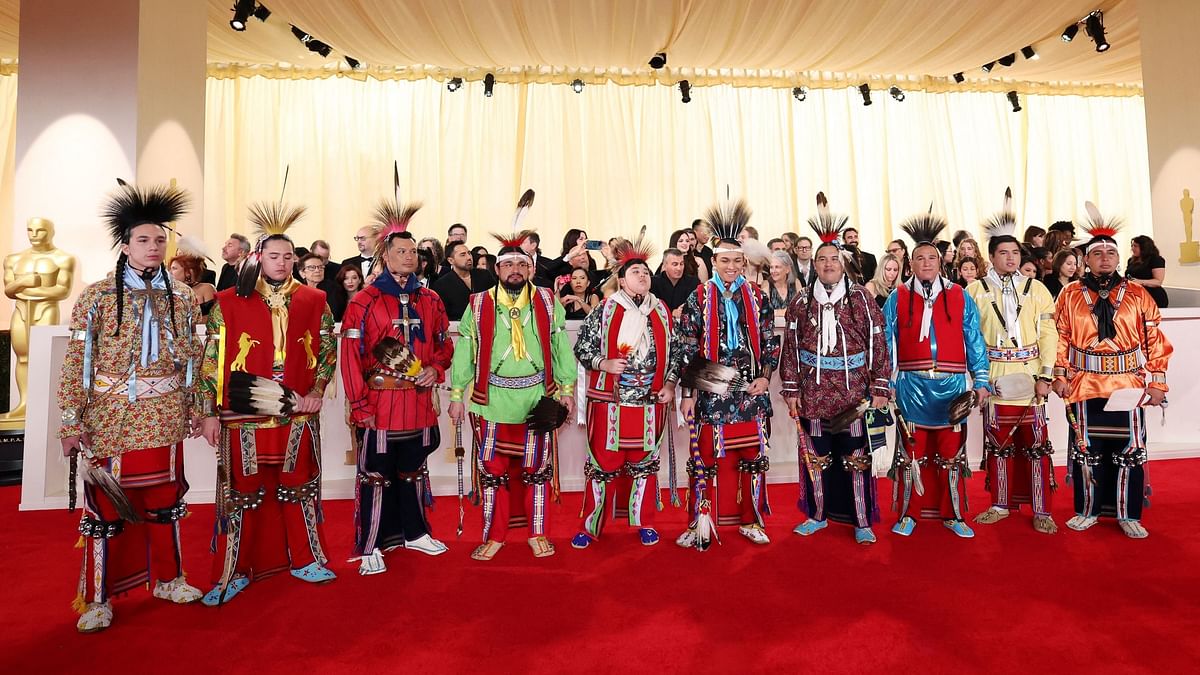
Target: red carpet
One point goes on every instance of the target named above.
(1011, 600)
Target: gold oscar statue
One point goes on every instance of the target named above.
(1189, 251)
(38, 278)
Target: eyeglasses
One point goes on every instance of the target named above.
(360, 238)
(313, 268)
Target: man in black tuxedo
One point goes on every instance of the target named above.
(320, 248)
(866, 261)
(463, 279)
(671, 285)
(803, 258)
(364, 239)
(235, 250)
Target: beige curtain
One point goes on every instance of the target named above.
(614, 157)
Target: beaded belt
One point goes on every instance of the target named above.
(1013, 355)
(834, 362)
(1111, 363)
(521, 382)
(147, 387)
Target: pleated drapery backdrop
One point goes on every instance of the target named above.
(616, 157)
(613, 158)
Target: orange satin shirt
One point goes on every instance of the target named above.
(1136, 321)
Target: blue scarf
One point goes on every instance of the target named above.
(386, 283)
(150, 323)
(732, 329)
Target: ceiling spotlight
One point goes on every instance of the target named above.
(577, 85)
(1094, 23)
(987, 67)
(1007, 61)
(897, 93)
(313, 45)
(454, 84)
(958, 77)
(685, 91)
(1014, 100)
(800, 93)
(353, 62)
(658, 60)
(242, 10)
(261, 13)
(1069, 33)
(1029, 54)
(489, 81)
(865, 90)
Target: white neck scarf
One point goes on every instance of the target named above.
(1009, 304)
(828, 340)
(634, 329)
(928, 298)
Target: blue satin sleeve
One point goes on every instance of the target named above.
(976, 350)
(889, 323)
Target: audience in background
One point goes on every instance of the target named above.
(898, 249)
(1066, 268)
(803, 267)
(864, 263)
(1057, 240)
(235, 250)
(190, 271)
(464, 278)
(348, 282)
(1044, 259)
(577, 295)
(672, 284)
(1034, 236)
(887, 276)
(968, 271)
(781, 285)
(1147, 268)
(434, 248)
(1029, 267)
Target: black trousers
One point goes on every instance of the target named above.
(390, 494)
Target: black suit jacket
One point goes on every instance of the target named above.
(807, 278)
(868, 266)
(673, 295)
(454, 293)
(228, 278)
(358, 261)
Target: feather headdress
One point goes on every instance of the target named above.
(728, 220)
(270, 219)
(625, 251)
(1103, 231)
(391, 217)
(1004, 223)
(827, 226)
(131, 206)
(516, 236)
(924, 228)
(189, 247)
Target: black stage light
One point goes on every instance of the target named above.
(1007, 61)
(1069, 32)
(242, 10)
(987, 67)
(865, 90)
(1094, 23)
(1029, 54)
(353, 62)
(489, 81)
(261, 13)
(1014, 100)
(800, 93)
(958, 77)
(577, 85)
(454, 84)
(685, 91)
(897, 93)
(658, 60)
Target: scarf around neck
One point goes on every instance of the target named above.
(1103, 309)
(387, 284)
(1010, 304)
(928, 298)
(150, 321)
(634, 329)
(732, 332)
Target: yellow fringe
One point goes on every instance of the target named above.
(79, 542)
(79, 604)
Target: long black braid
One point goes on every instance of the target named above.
(170, 295)
(119, 279)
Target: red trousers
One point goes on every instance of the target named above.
(733, 492)
(275, 535)
(508, 501)
(612, 491)
(945, 492)
(1018, 479)
(141, 552)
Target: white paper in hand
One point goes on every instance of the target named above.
(1124, 400)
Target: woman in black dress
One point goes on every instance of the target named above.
(1064, 270)
(1148, 268)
